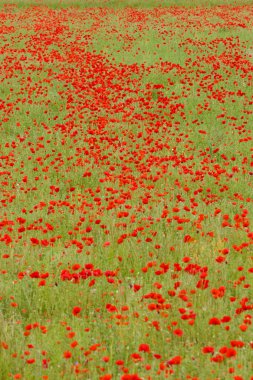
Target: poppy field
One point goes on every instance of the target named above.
(126, 190)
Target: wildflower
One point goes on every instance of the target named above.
(176, 360)
(67, 355)
(144, 347)
(76, 310)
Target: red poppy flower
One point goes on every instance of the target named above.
(176, 360)
(30, 361)
(178, 332)
(237, 343)
(67, 355)
(208, 350)
(214, 321)
(76, 310)
(144, 347)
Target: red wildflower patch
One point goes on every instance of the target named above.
(126, 189)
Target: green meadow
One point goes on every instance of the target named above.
(126, 182)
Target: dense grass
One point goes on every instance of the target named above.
(126, 191)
